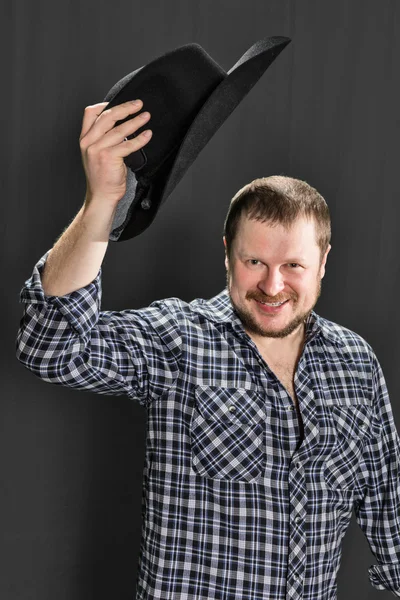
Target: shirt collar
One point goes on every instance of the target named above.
(219, 309)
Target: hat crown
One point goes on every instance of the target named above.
(190, 58)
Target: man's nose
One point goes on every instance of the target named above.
(272, 283)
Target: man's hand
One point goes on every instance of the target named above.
(103, 148)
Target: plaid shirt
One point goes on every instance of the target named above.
(235, 506)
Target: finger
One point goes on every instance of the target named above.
(117, 134)
(126, 147)
(90, 115)
(107, 119)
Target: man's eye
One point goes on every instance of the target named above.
(254, 261)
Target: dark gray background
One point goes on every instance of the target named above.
(326, 111)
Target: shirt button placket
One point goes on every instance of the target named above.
(298, 510)
(297, 536)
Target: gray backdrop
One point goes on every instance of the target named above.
(326, 111)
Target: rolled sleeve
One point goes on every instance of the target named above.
(80, 308)
(384, 577)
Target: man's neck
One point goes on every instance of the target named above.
(290, 345)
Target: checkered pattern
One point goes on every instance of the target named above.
(235, 505)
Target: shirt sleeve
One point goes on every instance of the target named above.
(66, 340)
(378, 510)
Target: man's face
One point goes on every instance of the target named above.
(271, 264)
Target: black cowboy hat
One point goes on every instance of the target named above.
(189, 96)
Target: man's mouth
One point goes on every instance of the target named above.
(273, 303)
(272, 307)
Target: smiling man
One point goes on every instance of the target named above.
(267, 423)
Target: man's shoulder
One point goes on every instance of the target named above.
(348, 339)
(217, 308)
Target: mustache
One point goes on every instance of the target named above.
(252, 296)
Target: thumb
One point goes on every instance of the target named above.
(90, 116)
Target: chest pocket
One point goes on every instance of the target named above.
(227, 434)
(353, 426)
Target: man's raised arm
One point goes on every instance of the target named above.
(76, 258)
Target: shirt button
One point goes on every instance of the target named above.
(232, 408)
(298, 520)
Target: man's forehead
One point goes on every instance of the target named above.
(300, 230)
(297, 241)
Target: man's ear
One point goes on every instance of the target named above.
(322, 269)
(226, 256)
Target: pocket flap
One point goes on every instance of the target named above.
(229, 404)
(356, 421)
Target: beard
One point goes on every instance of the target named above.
(252, 326)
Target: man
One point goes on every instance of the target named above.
(267, 423)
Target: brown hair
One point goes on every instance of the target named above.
(279, 199)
